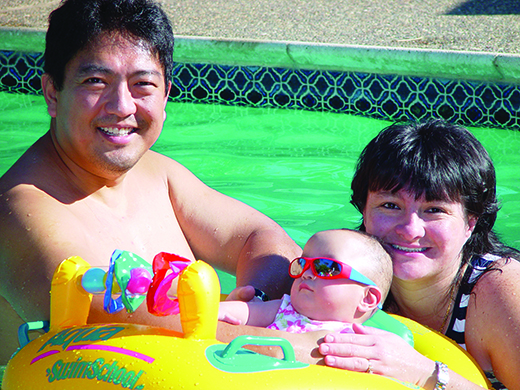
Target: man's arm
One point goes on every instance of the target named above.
(28, 258)
(231, 235)
(31, 247)
(11, 321)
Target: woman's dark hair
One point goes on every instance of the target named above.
(76, 23)
(439, 161)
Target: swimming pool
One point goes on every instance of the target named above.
(296, 165)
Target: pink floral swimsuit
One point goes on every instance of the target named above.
(289, 320)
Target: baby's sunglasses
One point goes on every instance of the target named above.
(325, 268)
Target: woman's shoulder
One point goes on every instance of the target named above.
(498, 285)
(501, 275)
(493, 318)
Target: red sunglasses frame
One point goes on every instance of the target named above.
(346, 271)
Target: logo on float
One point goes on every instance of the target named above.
(97, 370)
(81, 335)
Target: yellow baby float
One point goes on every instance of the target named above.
(74, 355)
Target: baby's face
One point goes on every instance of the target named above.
(328, 299)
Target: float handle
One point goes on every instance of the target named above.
(233, 347)
(25, 328)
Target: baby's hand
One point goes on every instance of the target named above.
(226, 317)
(234, 312)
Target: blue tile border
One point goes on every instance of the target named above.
(386, 96)
(21, 72)
(390, 97)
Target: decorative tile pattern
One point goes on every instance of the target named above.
(20, 72)
(382, 96)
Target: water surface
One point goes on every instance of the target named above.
(295, 166)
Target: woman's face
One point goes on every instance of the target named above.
(424, 238)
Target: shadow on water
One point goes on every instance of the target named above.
(486, 7)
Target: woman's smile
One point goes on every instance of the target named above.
(408, 249)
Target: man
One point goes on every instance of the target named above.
(91, 185)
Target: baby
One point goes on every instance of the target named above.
(342, 278)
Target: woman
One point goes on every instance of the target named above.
(429, 192)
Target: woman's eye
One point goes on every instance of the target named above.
(390, 206)
(435, 210)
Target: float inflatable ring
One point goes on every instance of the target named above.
(74, 355)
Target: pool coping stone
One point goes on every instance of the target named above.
(476, 66)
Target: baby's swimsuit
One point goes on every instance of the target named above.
(289, 320)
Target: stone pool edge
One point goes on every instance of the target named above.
(476, 66)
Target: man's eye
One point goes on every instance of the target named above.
(93, 80)
(146, 84)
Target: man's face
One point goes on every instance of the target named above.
(111, 108)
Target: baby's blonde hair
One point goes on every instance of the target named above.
(373, 260)
(380, 271)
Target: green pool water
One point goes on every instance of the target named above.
(295, 166)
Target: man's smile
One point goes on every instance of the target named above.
(117, 131)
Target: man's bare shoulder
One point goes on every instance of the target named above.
(18, 202)
(183, 185)
(34, 169)
(31, 182)
(28, 214)
(155, 164)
